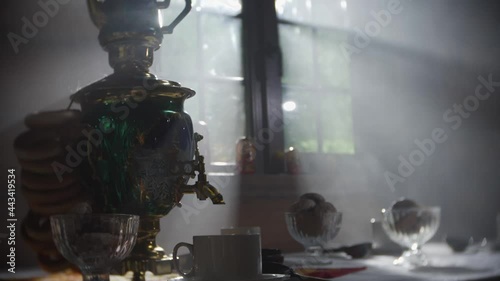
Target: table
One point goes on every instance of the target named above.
(445, 266)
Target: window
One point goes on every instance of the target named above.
(317, 103)
(257, 64)
(205, 53)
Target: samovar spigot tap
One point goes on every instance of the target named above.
(202, 187)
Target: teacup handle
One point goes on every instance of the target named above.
(176, 260)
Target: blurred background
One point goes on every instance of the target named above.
(379, 98)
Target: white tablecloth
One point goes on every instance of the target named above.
(444, 266)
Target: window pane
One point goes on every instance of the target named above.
(204, 46)
(296, 45)
(316, 100)
(221, 44)
(225, 117)
(326, 13)
(336, 123)
(224, 7)
(313, 118)
(178, 55)
(294, 10)
(228, 7)
(333, 64)
(301, 121)
(330, 13)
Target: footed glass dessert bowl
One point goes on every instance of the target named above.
(314, 223)
(94, 242)
(411, 228)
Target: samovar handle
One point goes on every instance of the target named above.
(169, 29)
(96, 13)
(99, 17)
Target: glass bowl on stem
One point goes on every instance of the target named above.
(412, 228)
(94, 242)
(315, 231)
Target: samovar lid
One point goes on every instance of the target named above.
(130, 32)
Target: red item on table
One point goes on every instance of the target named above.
(328, 273)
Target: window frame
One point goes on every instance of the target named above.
(262, 64)
(263, 70)
(320, 90)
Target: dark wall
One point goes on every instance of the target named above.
(406, 84)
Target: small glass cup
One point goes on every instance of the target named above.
(94, 242)
(412, 228)
(314, 232)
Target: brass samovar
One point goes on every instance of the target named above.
(143, 148)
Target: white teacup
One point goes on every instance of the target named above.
(240, 230)
(223, 257)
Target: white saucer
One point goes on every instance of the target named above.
(263, 277)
